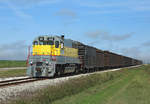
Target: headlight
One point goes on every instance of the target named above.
(31, 63)
(46, 62)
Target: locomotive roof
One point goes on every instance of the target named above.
(47, 36)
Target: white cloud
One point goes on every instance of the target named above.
(137, 53)
(13, 51)
(28, 3)
(146, 44)
(18, 12)
(100, 7)
(107, 36)
(18, 6)
(66, 12)
(68, 16)
(142, 8)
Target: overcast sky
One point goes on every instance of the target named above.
(120, 26)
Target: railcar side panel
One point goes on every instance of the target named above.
(99, 58)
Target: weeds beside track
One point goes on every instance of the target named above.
(131, 88)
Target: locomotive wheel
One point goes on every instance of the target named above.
(76, 71)
(84, 70)
(59, 73)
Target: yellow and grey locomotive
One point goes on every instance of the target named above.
(53, 55)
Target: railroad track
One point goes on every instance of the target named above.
(18, 81)
(28, 79)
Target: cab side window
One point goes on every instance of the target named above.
(56, 44)
(41, 43)
(35, 43)
(45, 42)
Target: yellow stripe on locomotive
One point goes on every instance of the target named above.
(46, 50)
(51, 50)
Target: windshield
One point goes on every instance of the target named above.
(43, 43)
(50, 42)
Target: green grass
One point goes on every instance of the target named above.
(127, 86)
(131, 88)
(12, 73)
(7, 63)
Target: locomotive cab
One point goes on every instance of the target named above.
(43, 56)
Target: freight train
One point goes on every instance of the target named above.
(54, 56)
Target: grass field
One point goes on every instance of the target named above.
(128, 86)
(131, 88)
(6, 63)
(12, 73)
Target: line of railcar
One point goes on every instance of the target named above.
(93, 58)
(55, 55)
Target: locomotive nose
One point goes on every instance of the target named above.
(38, 67)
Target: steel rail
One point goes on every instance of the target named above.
(18, 81)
